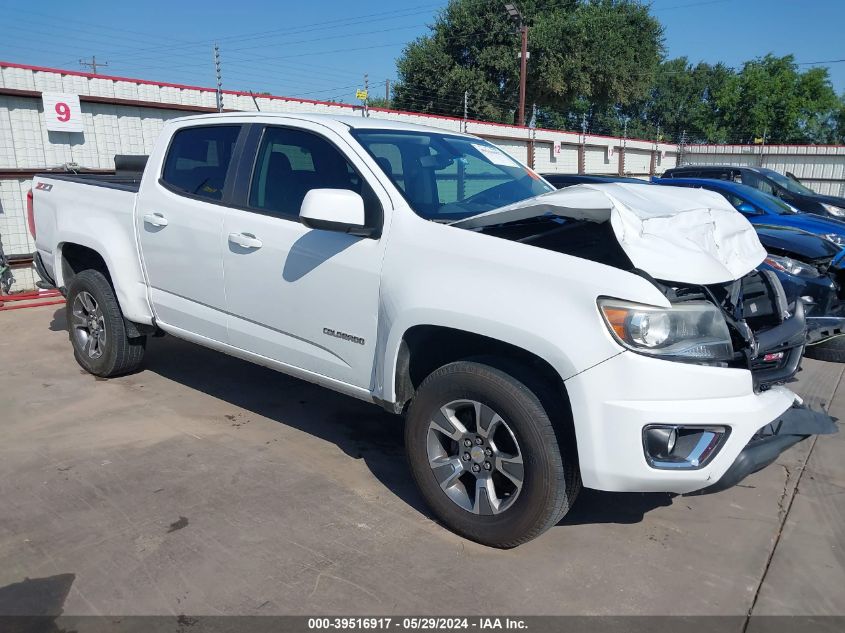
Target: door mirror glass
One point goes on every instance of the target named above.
(333, 210)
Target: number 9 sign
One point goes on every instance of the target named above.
(62, 112)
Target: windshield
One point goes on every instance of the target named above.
(447, 178)
(787, 183)
(778, 206)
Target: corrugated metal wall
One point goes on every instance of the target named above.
(820, 167)
(123, 116)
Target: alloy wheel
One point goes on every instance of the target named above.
(88, 325)
(475, 457)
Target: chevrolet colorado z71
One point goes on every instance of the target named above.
(612, 335)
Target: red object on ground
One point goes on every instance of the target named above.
(53, 297)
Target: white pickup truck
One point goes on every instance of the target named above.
(614, 335)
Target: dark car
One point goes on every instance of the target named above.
(812, 269)
(768, 181)
(567, 180)
(809, 264)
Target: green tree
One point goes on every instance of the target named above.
(597, 52)
(684, 100)
(770, 97)
(839, 135)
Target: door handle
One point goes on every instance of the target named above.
(156, 219)
(245, 240)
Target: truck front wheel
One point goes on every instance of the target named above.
(97, 330)
(485, 455)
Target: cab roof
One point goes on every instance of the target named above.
(353, 122)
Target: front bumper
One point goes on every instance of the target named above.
(613, 401)
(795, 424)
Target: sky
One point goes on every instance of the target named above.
(321, 49)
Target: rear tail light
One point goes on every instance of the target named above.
(30, 213)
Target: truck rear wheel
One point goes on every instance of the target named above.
(485, 455)
(97, 330)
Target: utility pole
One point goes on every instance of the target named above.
(387, 93)
(93, 64)
(516, 16)
(219, 77)
(366, 111)
(523, 71)
(466, 108)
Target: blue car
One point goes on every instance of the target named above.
(762, 208)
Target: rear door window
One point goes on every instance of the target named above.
(715, 174)
(753, 180)
(686, 173)
(198, 160)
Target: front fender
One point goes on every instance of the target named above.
(534, 299)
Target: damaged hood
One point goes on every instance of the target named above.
(672, 233)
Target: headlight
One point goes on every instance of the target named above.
(832, 210)
(836, 239)
(792, 266)
(694, 331)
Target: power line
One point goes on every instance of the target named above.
(827, 61)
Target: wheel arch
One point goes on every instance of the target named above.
(75, 255)
(74, 258)
(424, 348)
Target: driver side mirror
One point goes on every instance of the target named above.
(337, 210)
(746, 208)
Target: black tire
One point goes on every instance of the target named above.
(831, 350)
(551, 477)
(117, 354)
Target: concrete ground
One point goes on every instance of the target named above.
(206, 485)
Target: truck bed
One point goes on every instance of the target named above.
(93, 211)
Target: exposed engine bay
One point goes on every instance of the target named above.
(767, 333)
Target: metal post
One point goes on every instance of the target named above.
(523, 71)
(582, 147)
(621, 170)
(219, 77)
(653, 164)
(532, 146)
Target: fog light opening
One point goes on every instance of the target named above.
(682, 447)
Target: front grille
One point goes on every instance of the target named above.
(767, 374)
